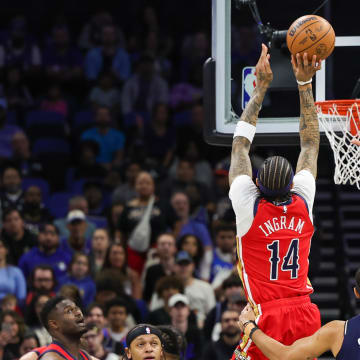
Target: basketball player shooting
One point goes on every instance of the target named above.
(274, 217)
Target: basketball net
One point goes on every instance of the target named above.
(340, 121)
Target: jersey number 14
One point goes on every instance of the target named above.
(290, 261)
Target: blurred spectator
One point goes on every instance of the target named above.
(166, 286)
(13, 330)
(100, 243)
(79, 275)
(19, 49)
(185, 180)
(201, 295)
(17, 239)
(34, 211)
(111, 141)
(95, 339)
(12, 280)
(28, 343)
(109, 56)
(179, 313)
(32, 317)
(55, 101)
(91, 34)
(77, 202)
(87, 166)
(126, 191)
(105, 93)
(174, 342)
(194, 247)
(159, 136)
(116, 313)
(6, 132)
(22, 157)
(8, 302)
(116, 259)
(133, 215)
(12, 195)
(114, 214)
(144, 89)
(93, 193)
(62, 61)
(233, 297)
(95, 314)
(72, 292)
(166, 250)
(18, 95)
(225, 242)
(42, 281)
(48, 252)
(223, 348)
(76, 241)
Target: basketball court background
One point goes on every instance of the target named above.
(337, 208)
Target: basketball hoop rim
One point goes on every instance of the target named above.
(342, 106)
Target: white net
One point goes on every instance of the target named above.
(340, 127)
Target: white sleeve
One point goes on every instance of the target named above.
(304, 185)
(243, 193)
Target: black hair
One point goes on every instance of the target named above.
(200, 248)
(224, 227)
(9, 211)
(357, 280)
(10, 166)
(42, 267)
(30, 314)
(31, 335)
(169, 282)
(43, 226)
(93, 306)
(110, 280)
(232, 281)
(117, 302)
(174, 342)
(107, 263)
(48, 308)
(275, 177)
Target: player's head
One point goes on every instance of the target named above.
(275, 178)
(144, 341)
(62, 316)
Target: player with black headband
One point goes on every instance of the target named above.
(274, 217)
(144, 342)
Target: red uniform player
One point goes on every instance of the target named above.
(274, 218)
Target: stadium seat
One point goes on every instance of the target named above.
(83, 119)
(50, 145)
(58, 204)
(41, 183)
(45, 124)
(11, 118)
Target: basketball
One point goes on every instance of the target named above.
(311, 34)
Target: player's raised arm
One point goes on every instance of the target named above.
(246, 127)
(329, 337)
(309, 124)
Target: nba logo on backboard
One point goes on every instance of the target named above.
(248, 84)
(147, 330)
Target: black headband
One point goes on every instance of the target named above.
(144, 329)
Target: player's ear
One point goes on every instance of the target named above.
(128, 353)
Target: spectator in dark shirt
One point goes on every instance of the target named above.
(108, 57)
(166, 250)
(22, 157)
(16, 237)
(179, 313)
(229, 338)
(34, 211)
(48, 252)
(166, 287)
(79, 275)
(12, 194)
(94, 194)
(62, 61)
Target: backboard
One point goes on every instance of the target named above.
(275, 125)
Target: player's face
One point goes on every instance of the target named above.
(70, 318)
(145, 347)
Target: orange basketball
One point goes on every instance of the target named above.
(311, 34)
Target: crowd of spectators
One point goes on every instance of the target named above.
(109, 194)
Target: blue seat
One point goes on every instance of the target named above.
(99, 221)
(83, 119)
(11, 118)
(76, 187)
(41, 183)
(58, 204)
(50, 146)
(36, 118)
(182, 118)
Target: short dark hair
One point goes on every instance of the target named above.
(42, 267)
(117, 302)
(224, 227)
(169, 282)
(275, 177)
(9, 211)
(48, 308)
(174, 342)
(232, 281)
(110, 280)
(93, 306)
(43, 226)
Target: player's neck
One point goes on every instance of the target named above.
(72, 345)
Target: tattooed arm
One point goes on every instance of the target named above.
(309, 124)
(240, 160)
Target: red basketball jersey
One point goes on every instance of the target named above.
(273, 254)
